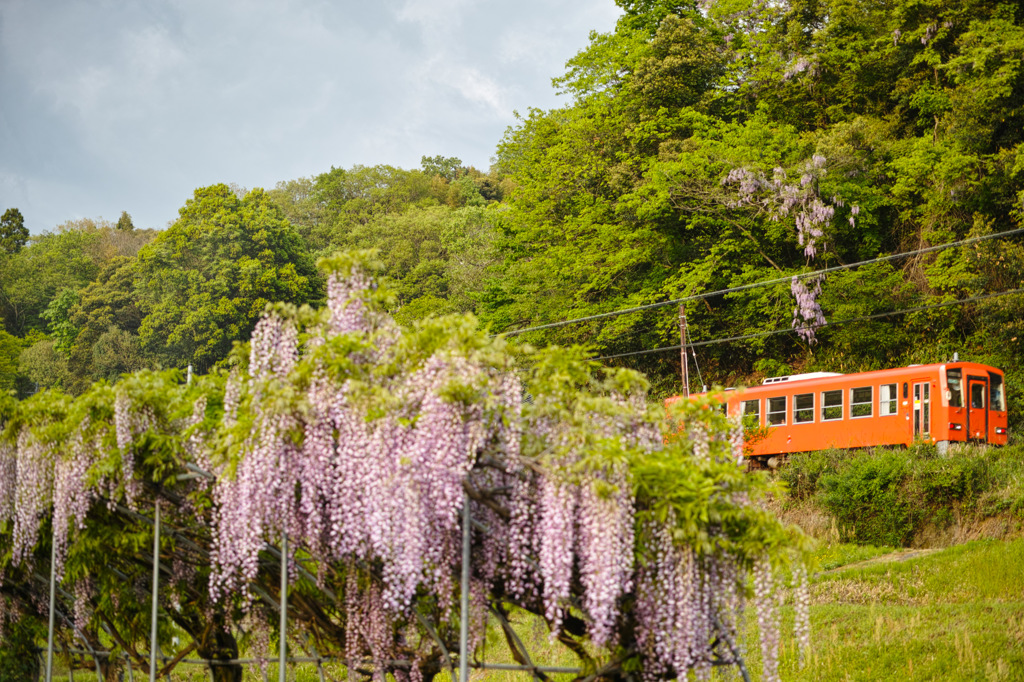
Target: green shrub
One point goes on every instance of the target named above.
(866, 499)
(803, 470)
(957, 481)
(884, 496)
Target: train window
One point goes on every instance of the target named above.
(831, 405)
(978, 395)
(887, 399)
(751, 413)
(861, 402)
(777, 411)
(954, 382)
(998, 400)
(803, 408)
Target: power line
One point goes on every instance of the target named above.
(863, 318)
(780, 280)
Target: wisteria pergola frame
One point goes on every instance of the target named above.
(376, 449)
(464, 663)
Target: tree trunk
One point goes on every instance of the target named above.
(226, 673)
(221, 645)
(110, 668)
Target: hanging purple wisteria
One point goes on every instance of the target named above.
(362, 442)
(811, 213)
(370, 468)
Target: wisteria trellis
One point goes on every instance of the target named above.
(360, 440)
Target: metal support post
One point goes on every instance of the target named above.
(156, 588)
(467, 529)
(53, 597)
(682, 351)
(281, 671)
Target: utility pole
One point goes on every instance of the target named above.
(682, 350)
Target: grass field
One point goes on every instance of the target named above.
(952, 614)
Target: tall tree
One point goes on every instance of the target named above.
(448, 168)
(124, 223)
(13, 233)
(205, 281)
(107, 307)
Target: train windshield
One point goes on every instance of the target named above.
(998, 400)
(954, 381)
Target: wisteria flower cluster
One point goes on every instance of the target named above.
(807, 315)
(780, 197)
(811, 213)
(362, 444)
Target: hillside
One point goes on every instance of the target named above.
(703, 148)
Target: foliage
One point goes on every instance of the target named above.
(32, 277)
(68, 258)
(204, 281)
(888, 497)
(866, 501)
(19, 659)
(693, 134)
(446, 167)
(13, 233)
(43, 364)
(109, 306)
(10, 350)
(58, 320)
(124, 223)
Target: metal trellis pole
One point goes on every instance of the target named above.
(156, 588)
(281, 672)
(682, 350)
(464, 605)
(53, 596)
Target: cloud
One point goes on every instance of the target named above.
(111, 105)
(434, 16)
(476, 87)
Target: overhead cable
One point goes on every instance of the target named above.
(764, 283)
(756, 335)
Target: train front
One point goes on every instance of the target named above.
(975, 400)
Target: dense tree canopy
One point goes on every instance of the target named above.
(204, 281)
(706, 148)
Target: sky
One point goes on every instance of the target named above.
(118, 105)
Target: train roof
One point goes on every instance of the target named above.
(810, 379)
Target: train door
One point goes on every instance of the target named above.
(922, 413)
(977, 408)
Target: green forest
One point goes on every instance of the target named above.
(702, 147)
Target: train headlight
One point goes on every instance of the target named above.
(1000, 430)
(955, 427)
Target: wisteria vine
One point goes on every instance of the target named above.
(777, 196)
(362, 442)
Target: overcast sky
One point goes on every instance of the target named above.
(111, 105)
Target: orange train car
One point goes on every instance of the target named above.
(942, 403)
